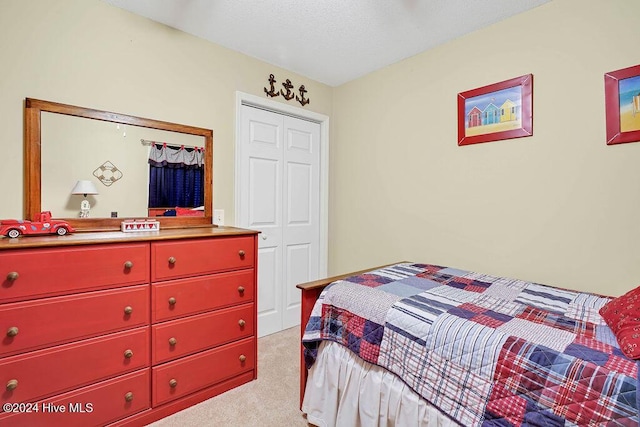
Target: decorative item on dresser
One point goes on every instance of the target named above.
(41, 224)
(122, 328)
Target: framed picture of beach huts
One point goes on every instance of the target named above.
(498, 111)
(622, 105)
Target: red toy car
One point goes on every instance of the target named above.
(43, 224)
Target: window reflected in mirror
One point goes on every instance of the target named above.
(176, 179)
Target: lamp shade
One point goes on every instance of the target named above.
(84, 187)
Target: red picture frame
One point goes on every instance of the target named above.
(616, 106)
(489, 113)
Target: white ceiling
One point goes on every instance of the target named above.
(331, 41)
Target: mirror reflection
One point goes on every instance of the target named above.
(73, 157)
(115, 158)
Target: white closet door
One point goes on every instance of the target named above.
(301, 211)
(279, 195)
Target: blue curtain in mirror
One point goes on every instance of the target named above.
(176, 177)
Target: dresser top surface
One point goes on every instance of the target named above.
(90, 238)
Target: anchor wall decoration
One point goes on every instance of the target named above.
(272, 92)
(288, 86)
(289, 94)
(301, 99)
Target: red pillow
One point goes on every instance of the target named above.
(622, 315)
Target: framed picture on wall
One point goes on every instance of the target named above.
(498, 111)
(622, 105)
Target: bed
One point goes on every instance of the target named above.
(419, 344)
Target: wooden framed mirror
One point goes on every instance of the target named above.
(38, 143)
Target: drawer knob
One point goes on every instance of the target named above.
(241, 289)
(173, 383)
(128, 310)
(128, 354)
(242, 358)
(12, 385)
(173, 341)
(241, 253)
(128, 265)
(172, 301)
(172, 260)
(12, 331)
(241, 322)
(12, 276)
(128, 397)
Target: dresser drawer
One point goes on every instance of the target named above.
(181, 377)
(34, 273)
(44, 322)
(96, 405)
(184, 258)
(182, 297)
(54, 370)
(186, 336)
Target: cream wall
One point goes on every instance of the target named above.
(92, 54)
(559, 207)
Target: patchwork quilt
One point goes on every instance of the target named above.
(487, 351)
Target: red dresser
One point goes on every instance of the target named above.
(113, 328)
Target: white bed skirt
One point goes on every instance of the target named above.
(343, 390)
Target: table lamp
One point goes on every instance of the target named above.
(84, 188)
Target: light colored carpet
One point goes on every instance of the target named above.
(271, 400)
